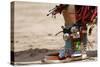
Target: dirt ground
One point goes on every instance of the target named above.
(34, 32)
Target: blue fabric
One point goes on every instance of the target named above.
(62, 53)
(67, 49)
(68, 44)
(77, 52)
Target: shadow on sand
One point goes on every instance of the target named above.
(38, 54)
(30, 55)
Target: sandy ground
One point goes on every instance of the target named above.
(34, 31)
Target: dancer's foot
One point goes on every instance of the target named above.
(61, 58)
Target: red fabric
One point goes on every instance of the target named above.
(86, 13)
(94, 14)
